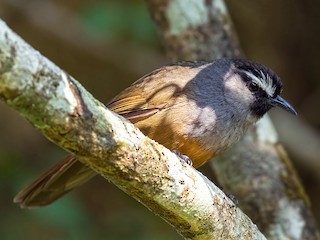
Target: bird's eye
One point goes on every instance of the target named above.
(253, 87)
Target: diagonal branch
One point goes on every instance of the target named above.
(68, 115)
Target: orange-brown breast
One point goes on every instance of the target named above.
(167, 132)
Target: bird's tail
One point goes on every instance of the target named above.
(54, 183)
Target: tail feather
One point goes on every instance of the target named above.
(54, 183)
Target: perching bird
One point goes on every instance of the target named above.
(197, 108)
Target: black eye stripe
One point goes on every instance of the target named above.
(260, 71)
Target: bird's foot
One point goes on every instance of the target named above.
(184, 158)
(233, 199)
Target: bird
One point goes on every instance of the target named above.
(197, 108)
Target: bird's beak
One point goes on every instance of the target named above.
(280, 102)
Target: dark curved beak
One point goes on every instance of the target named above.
(280, 102)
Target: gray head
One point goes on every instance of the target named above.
(236, 88)
(263, 84)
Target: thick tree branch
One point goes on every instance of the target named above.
(68, 115)
(257, 170)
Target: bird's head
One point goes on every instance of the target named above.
(263, 84)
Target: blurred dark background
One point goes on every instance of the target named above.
(108, 44)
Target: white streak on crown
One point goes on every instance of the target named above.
(265, 82)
